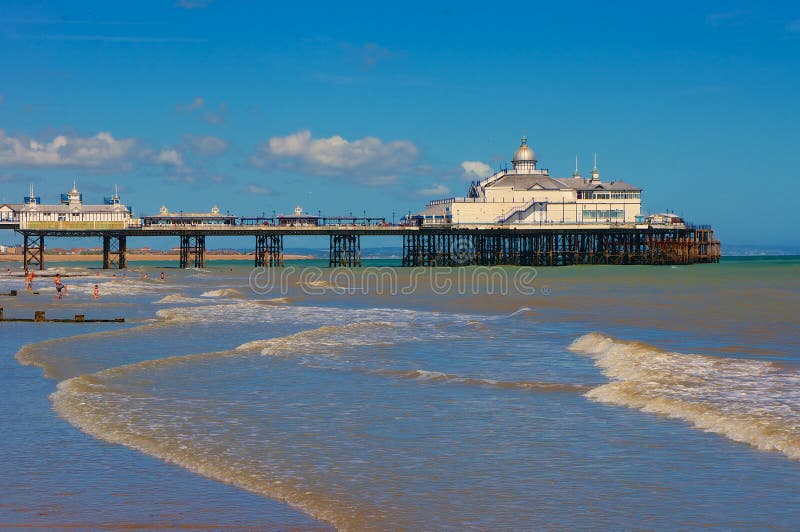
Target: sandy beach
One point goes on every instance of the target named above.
(144, 257)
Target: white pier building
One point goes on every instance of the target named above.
(527, 195)
(70, 213)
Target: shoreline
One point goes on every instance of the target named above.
(147, 257)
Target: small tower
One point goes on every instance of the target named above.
(74, 197)
(215, 210)
(595, 171)
(524, 158)
(31, 201)
(576, 173)
(163, 210)
(298, 211)
(113, 199)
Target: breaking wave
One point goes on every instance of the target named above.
(749, 401)
(180, 298)
(223, 292)
(323, 338)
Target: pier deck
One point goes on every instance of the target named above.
(452, 245)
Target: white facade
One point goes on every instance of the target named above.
(71, 213)
(167, 218)
(527, 195)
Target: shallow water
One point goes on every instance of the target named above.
(581, 397)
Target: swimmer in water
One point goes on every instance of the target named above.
(163, 276)
(96, 291)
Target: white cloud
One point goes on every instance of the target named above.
(257, 190)
(475, 169)
(197, 103)
(364, 158)
(206, 144)
(170, 157)
(435, 189)
(99, 151)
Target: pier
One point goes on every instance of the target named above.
(518, 216)
(496, 245)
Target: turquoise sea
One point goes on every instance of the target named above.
(591, 397)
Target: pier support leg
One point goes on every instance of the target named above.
(193, 251)
(345, 250)
(269, 250)
(114, 252)
(33, 251)
(412, 250)
(557, 247)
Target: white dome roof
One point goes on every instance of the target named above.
(524, 153)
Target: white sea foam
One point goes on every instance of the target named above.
(749, 401)
(518, 312)
(328, 339)
(222, 292)
(256, 312)
(111, 287)
(180, 298)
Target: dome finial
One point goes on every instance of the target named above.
(524, 158)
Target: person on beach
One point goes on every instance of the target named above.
(28, 280)
(59, 285)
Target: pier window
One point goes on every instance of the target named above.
(613, 215)
(591, 194)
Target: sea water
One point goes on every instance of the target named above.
(481, 398)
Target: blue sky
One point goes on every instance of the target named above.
(345, 107)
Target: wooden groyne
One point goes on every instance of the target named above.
(39, 317)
